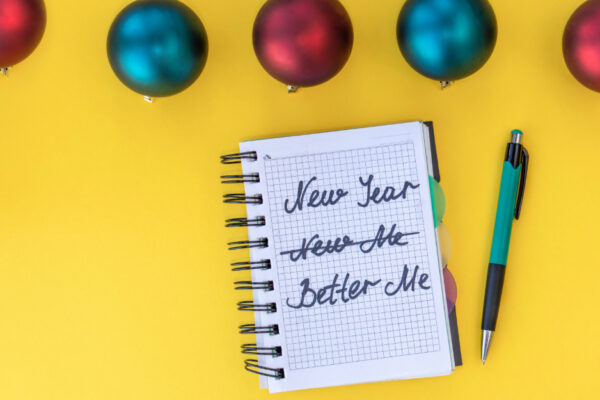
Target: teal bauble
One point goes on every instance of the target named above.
(447, 40)
(157, 47)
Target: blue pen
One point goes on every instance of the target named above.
(510, 200)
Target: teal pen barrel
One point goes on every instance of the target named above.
(505, 213)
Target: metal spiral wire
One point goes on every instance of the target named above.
(251, 329)
(237, 158)
(241, 198)
(254, 350)
(247, 178)
(245, 222)
(252, 365)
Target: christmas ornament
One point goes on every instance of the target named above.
(22, 25)
(157, 47)
(581, 44)
(446, 40)
(302, 42)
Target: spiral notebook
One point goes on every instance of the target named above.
(345, 265)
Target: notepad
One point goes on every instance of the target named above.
(345, 264)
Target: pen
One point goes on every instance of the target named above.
(510, 200)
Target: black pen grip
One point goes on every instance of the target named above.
(493, 292)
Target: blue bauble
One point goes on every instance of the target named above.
(447, 40)
(157, 47)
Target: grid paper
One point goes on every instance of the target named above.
(373, 326)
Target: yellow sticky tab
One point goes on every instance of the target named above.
(445, 243)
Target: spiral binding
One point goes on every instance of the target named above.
(251, 329)
(250, 265)
(249, 244)
(238, 157)
(248, 305)
(248, 285)
(253, 349)
(240, 222)
(252, 365)
(247, 178)
(241, 198)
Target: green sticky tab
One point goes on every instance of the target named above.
(438, 201)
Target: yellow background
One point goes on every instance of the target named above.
(114, 275)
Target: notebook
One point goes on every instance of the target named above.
(345, 268)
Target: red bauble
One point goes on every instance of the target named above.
(22, 24)
(303, 42)
(581, 44)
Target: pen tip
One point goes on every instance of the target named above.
(485, 345)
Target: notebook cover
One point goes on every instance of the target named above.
(452, 316)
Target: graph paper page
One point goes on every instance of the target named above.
(356, 267)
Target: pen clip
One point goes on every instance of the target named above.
(525, 166)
